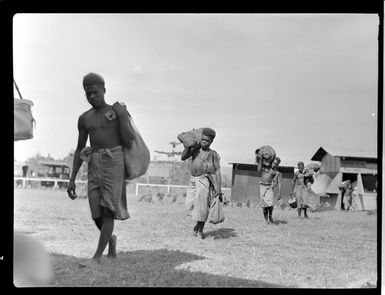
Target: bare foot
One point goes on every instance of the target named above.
(112, 247)
(96, 259)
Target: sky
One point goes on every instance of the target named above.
(295, 82)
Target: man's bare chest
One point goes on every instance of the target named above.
(269, 173)
(101, 121)
(300, 177)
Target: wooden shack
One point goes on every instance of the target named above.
(245, 183)
(358, 167)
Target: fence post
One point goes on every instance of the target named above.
(55, 185)
(168, 189)
(137, 189)
(24, 183)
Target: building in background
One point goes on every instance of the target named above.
(358, 167)
(20, 169)
(245, 183)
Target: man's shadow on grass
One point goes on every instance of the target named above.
(221, 233)
(278, 222)
(143, 268)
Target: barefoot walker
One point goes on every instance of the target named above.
(268, 163)
(108, 132)
(300, 189)
(205, 179)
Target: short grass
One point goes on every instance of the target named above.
(331, 249)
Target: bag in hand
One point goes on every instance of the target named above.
(216, 214)
(136, 158)
(23, 119)
(293, 203)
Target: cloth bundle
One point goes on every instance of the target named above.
(23, 119)
(344, 184)
(311, 168)
(267, 153)
(190, 138)
(136, 158)
(216, 214)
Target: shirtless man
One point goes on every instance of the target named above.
(300, 189)
(270, 178)
(108, 130)
(205, 179)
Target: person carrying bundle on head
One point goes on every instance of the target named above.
(346, 191)
(267, 164)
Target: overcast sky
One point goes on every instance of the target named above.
(292, 81)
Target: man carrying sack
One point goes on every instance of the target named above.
(110, 133)
(205, 182)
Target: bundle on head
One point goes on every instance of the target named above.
(267, 153)
(190, 138)
(345, 184)
(311, 168)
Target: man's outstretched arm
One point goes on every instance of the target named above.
(77, 162)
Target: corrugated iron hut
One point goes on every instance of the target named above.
(358, 167)
(245, 183)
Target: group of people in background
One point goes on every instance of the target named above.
(205, 180)
(267, 165)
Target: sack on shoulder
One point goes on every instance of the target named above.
(23, 119)
(136, 158)
(190, 138)
(216, 214)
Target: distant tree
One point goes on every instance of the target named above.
(34, 163)
(41, 170)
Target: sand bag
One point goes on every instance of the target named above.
(267, 153)
(190, 138)
(136, 158)
(216, 214)
(23, 119)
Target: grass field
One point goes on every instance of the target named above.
(155, 246)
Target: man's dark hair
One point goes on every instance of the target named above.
(93, 79)
(209, 132)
